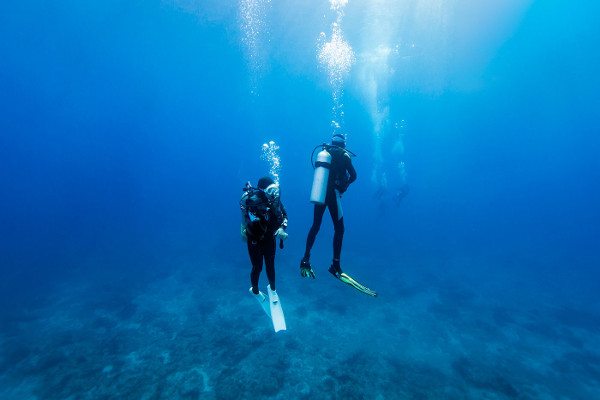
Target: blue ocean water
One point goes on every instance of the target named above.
(128, 130)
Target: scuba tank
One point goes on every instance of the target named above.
(319, 186)
(322, 169)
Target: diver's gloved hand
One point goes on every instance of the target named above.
(305, 269)
(281, 234)
(243, 232)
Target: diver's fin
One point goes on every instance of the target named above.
(347, 279)
(276, 310)
(263, 301)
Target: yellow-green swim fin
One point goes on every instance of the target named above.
(347, 279)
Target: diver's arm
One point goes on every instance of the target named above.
(351, 171)
(280, 232)
(284, 215)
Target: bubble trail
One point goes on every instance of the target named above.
(336, 57)
(269, 154)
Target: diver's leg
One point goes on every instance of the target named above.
(268, 247)
(314, 229)
(338, 237)
(255, 253)
(337, 217)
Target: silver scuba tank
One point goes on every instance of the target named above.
(319, 186)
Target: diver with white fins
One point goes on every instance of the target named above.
(264, 220)
(334, 172)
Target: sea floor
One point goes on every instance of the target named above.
(436, 331)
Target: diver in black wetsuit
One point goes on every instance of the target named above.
(341, 175)
(264, 220)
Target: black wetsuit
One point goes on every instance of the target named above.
(341, 175)
(262, 244)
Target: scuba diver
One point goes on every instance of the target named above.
(401, 193)
(341, 175)
(334, 172)
(264, 220)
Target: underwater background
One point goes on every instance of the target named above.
(128, 129)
